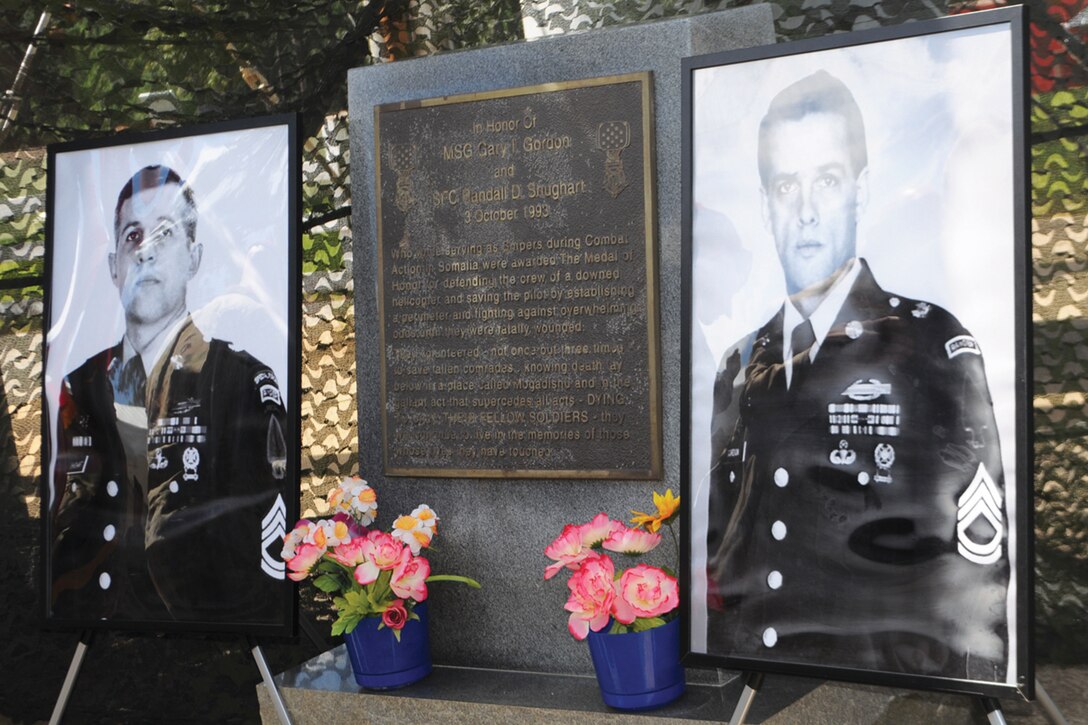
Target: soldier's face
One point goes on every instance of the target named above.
(153, 261)
(813, 197)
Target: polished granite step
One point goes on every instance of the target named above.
(322, 690)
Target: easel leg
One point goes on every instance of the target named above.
(994, 715)
(70, 678)
(751, 687)
(1050, 709)
(273, 691)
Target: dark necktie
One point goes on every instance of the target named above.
(133, 387)
(802, 338)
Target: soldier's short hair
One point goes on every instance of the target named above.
(819, 92)
(151, 177)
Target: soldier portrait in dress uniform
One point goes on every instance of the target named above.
(170, 478)
(857, 508)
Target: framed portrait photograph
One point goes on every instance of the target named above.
(857, 463)
(171, 386)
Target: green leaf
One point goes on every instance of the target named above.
(351, 623)
(641, 624)
(329, 567)
(618, 628)
(327, 583)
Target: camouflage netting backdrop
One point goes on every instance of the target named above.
(81, 71)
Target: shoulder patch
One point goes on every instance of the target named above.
(270, 393)
(265, 376)
(961, 344)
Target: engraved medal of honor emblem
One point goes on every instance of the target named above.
(612, 138)
(402, 160)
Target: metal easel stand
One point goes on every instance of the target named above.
(1054, 716)
(70, 679)
(992, 707)
(85, 643)
(273, 691)
(1050, 710)
(751, 686)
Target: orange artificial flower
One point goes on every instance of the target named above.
(667, 506)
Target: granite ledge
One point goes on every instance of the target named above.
(322, 690)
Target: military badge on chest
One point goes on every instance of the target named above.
(866, 414)
(884, 457)
(191, 460)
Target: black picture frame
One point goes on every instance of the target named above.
(923, 124)
(188, 538)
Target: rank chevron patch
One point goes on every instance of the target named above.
(273, 529)
(981, 499)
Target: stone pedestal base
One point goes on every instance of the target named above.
(322, 691)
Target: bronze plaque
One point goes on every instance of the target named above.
(517, 283)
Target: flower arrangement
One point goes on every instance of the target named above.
(371, 573)
(635, 599)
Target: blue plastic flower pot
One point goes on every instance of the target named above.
(638, 670)
(380, 662)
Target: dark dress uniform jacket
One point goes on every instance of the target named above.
(857, 518)
(202, 543)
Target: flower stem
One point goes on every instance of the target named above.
(453, 578)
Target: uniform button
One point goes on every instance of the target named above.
(770, 637)
(173, 487)
(774, 579)
(109, 532)
(778, 530)
(732, 477)
(74, 487)
(894, 302)
(781, 477)
(863, 478)
(112, 489)
(104, 580)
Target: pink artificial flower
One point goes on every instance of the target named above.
(567, 551)
(382, 549)
(410, 577)
(395, 615)
(350, 554)
(591, 595)
(366, 573)
(355, 529)
(306, 556)
(598, 530)
(649, 591)
(297, 536)
(631, 541)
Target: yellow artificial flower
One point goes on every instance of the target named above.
(667, 506)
